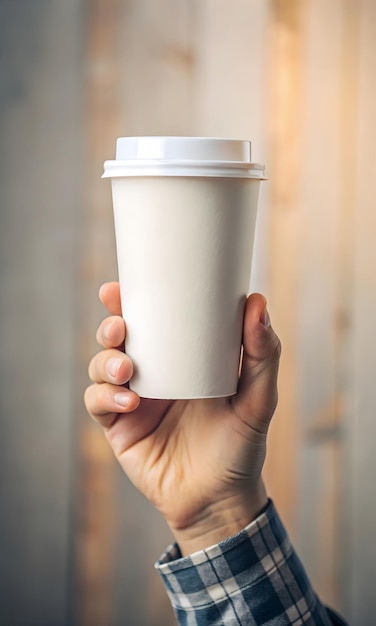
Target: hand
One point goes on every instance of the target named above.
(198, 461)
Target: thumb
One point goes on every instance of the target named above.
(257, 394)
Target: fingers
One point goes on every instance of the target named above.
(107, 398)
(106, 402)
(109, 295)
(110, 369)
(257, 389)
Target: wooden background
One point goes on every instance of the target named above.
(297, 77)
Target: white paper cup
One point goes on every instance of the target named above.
(185, 212)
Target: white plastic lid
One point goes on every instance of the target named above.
(183, 156)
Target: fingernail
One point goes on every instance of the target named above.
(121, 399)
(112, 366)
(265, 319)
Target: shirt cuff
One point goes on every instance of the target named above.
(254, 577)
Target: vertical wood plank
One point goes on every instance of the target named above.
(40, 130)
(158, 64)
(360, 484)
(319, 400)
(96, 492)
(344, 321)
(285, 113)
(326, 310)
(230, 78)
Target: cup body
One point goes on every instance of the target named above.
(184, 250)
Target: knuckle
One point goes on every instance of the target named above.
(93, 367)
(90, 369)
(89, 400)
(96, 398)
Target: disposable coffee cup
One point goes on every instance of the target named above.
(184, 212)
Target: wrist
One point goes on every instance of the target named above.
(221, 520)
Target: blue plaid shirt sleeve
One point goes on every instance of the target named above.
(251, 579)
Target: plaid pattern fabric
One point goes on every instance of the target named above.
(251, 579)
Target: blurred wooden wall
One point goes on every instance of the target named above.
(40, 229)
(297, 78)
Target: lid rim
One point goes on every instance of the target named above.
(112, 170)
(182, 163)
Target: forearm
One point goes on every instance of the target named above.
(254, 577)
